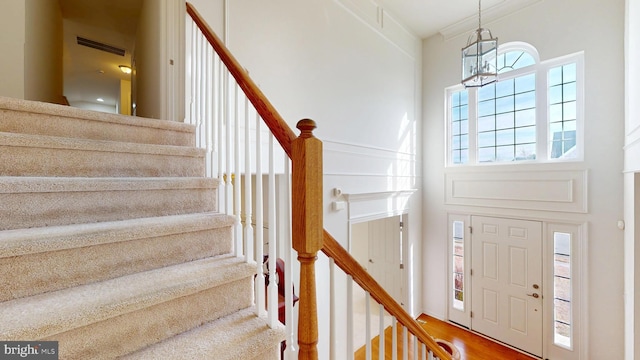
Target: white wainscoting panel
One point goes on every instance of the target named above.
(557, 190)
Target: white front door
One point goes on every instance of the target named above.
(506, 279)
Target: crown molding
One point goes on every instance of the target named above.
(496, 12)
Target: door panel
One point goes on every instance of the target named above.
(506, 257)
(385, 255)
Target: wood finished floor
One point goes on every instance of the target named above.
(470, 345)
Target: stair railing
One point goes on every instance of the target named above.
(256, 178)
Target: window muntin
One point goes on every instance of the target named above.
(460, 127)
(506, 113)
(533, 113)
(513, 60)
(562, 111)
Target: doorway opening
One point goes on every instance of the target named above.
(378, 246)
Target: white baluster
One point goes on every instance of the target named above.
(394, 338)
(238, 178)
(208, 110)
(271, 213)
(228, 145)
(381, 332)
(292, 344)
(259, 222)
(405, 343)
(367, 298)
(332, 310)
(248, 228)
(350, 349)
(194, 99)
(221, 143)
(415, 346)
(423, 349)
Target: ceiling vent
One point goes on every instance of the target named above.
(100, 46)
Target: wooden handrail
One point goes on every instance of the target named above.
(349, 265)
(309, 243)
(281, 131)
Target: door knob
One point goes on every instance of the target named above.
(535, 295)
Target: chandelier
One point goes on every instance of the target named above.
(479, 57)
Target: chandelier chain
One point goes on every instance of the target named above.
(479, 14)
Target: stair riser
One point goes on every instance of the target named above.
(37, 209)
(72, 127)
(32, 161)
(33, 274)
(126, 333)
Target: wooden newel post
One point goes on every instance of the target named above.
(307, 226)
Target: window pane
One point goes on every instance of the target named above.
(555, 94)
(569, 111)
(569, 73)
(464, 126)
(526, 152)
(464, 156)
(555, 76)
(487, 92)
(505, 153)
(526, 135)
(504, 121)
(458, 264)
(525, 83)
(555, 113)
(487, 107)
(464, 97)
(504, 88)
(487, 139)
(505, 137)
(504, 104)
(562, 288)
(455, 128)
(455, 143)
(486, 123)
(464, 141)
(464, 112)
(526, 100)
(570, 126)
(455, 99)
(486, 154)
(569, 91)
(526, 117)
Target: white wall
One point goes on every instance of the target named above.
(43, 51)
(632, 180)
(149, 61)
(12, 38)
(555, 28)
(359, 81)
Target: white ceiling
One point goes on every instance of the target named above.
(428, 17)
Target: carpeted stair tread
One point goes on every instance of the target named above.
(41, 155)
(30, 117)
(241, 335)
(19, 242)
(52, 201)
(32, 184)
(40, 260)
(48, 314)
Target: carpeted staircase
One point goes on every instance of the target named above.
(110, 242)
